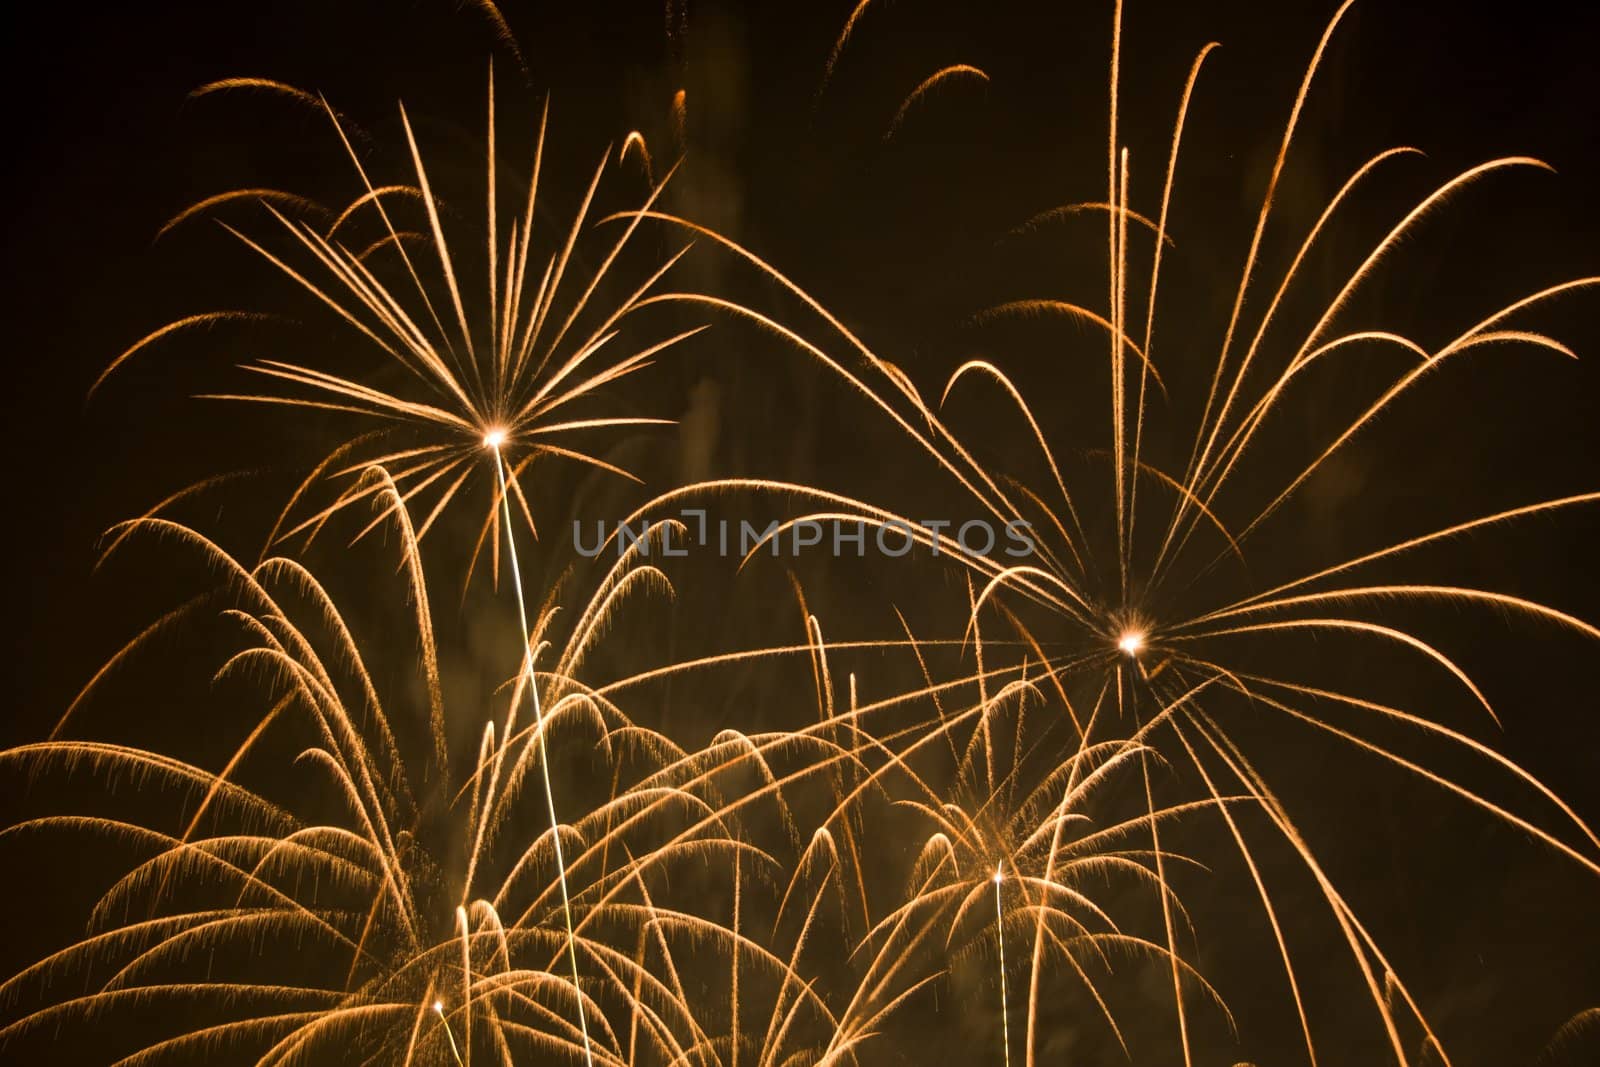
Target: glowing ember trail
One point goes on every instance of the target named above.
(494, 439)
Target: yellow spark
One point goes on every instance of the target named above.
(1000, 940)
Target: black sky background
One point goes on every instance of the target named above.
(904, 239)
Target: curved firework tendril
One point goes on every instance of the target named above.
(1577, 1034)
(1136, 611)
(516, 356)
(410, 879)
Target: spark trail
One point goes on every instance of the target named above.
(493, 440)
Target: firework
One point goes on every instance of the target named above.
(1160, 608)
(498, 379)
(351, 881)
(512, 340)
(446, 919)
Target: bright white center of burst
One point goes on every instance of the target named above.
(999, 875)
(494, 438)
(1131, 642)
(438, 1006)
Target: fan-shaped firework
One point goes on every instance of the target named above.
(428, 915)
(1157, 602)
(508, 344)
(428, 922)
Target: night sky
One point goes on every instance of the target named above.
(906, 239)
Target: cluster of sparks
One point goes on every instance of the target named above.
(683, 905)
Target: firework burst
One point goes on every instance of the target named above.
(1141, 579)
(507, 344)
(429, 919)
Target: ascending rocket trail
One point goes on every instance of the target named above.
(493, 440)
(438, 1009)
(1000, 936)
